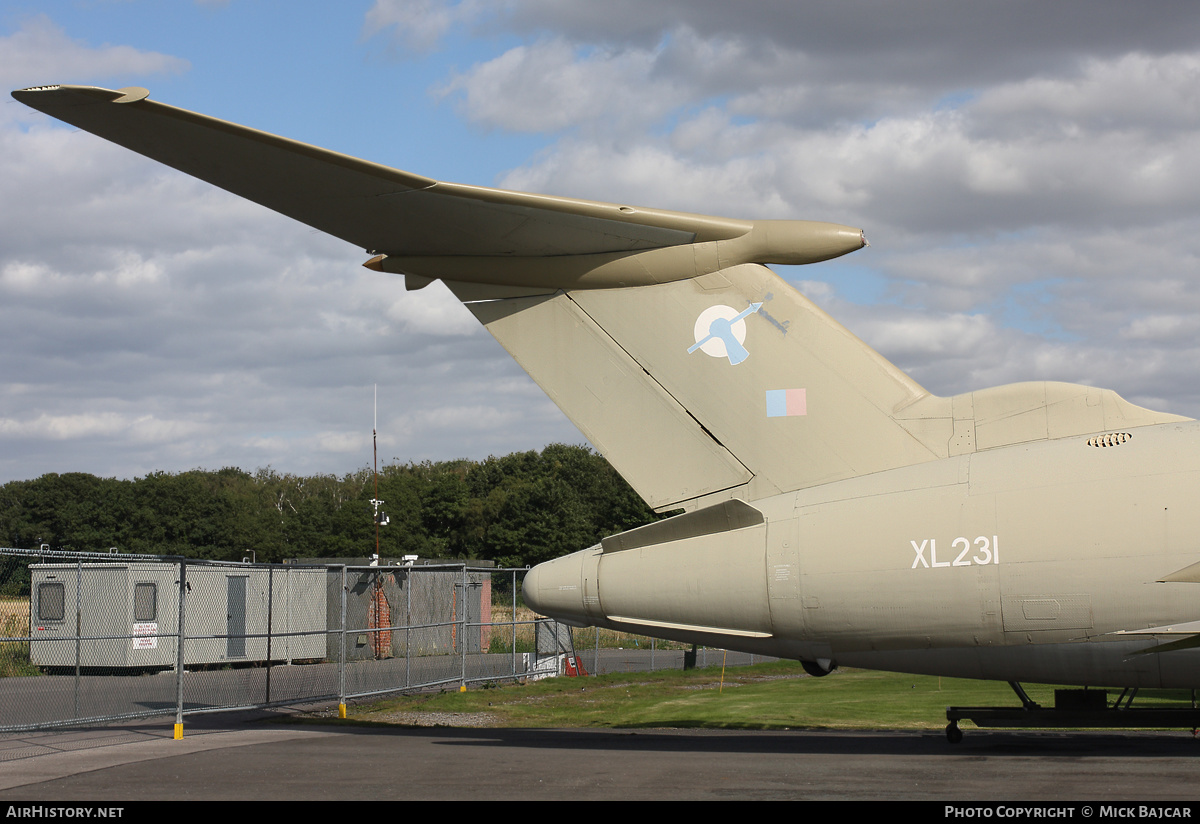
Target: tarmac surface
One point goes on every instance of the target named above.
(260, 756)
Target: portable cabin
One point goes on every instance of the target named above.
(122, 611)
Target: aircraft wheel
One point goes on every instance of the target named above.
(953, 733)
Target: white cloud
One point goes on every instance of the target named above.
(930, 337)
(548, 86)
(40, 52)
(432, 311)
(139, 429)
(1162, 328)
(1131, 91)
(417, 26)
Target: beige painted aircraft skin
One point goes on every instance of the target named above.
(833, 510)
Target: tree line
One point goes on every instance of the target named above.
(518, 509)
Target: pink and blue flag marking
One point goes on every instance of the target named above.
(782, 403)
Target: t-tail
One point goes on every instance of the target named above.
(696, 371)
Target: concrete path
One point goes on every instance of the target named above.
(255, 757)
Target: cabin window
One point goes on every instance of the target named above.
(52, 602)
(145, 603)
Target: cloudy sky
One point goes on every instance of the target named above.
(1028, 174)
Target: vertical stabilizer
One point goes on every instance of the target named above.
(730, 385)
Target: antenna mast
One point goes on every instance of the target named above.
(380, 518)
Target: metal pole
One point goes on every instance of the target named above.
(408, 584)
(514, 622)
(270, 614)
(179, 651)
(462, 632)
(653, 645)
(342, 653)
(78, 626)
(596, 656)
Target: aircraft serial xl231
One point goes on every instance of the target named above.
(835, 512)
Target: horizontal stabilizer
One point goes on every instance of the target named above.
(426, 227)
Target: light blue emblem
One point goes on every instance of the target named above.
(720, 331)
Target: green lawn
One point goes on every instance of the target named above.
(767, 696)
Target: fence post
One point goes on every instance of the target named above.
(462, 630)
(179, 636)
(408, 585)
(270, 615)
(342, 653)
(78, 626)
(514, 623)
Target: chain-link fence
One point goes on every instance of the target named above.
(89, 637)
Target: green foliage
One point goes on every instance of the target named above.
(516, 510)
(14, 655)
(14, 660)
(501, 643)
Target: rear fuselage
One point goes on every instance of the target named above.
(1027, 562)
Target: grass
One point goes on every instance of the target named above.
(762, 697)
(773, 696)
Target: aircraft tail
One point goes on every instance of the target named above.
(727, 385)
(694, 369)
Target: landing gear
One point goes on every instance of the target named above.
(1027, 702)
